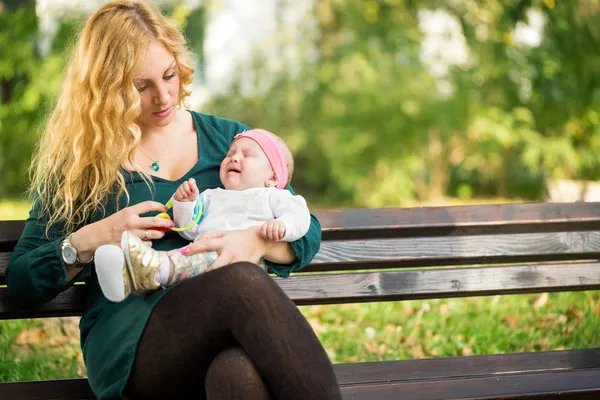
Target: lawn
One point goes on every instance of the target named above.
(48, 348)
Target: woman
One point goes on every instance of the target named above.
(116, 146)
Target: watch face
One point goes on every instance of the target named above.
(69, 255)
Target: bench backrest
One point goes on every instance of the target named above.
(416, 253)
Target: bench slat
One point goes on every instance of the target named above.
(447, 251)
(444, 251)
(69, 303)
(576, 385)
(375, 378)
(440, 283)
(9, 234)
(463, 367)
(429, 221)
(60, 389)
(381, 286)
(459, 220)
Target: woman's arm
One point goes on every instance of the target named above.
(36, 272)
(280, 253)
(249, 245)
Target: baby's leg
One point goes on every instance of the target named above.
(137, 268)
(183, 267)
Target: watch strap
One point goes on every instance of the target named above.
(78, 262)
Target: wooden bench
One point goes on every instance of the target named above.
(518, 248)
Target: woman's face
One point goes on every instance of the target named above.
(158, 84)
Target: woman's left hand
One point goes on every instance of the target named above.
(232, 246)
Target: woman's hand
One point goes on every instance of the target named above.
(232, 246)
(109, 230)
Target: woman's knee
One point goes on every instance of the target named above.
(230, 358)
(245, 279)
(232, 374)
(243, 272)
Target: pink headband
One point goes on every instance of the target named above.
(267, 142)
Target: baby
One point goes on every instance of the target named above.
(254, 173)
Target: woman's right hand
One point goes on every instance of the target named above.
(109, 230)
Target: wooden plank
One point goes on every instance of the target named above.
(459, 220)
(538, 374)
(580, 385)
(463, 367)
(444, 251)
(381, 286)
(430, 221)
(9, 234)
(71, 302)
(464, 250)
(59, 389)
(4, 257)
(440, 283)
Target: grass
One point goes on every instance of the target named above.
(48, 348)
(451, 327)
(35, 349)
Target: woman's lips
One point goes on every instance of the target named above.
(164, 113)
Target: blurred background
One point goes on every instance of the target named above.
(385, 103)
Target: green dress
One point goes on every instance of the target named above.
(110, 331)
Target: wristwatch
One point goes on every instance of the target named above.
(69, 254)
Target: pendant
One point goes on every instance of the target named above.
(155, 166)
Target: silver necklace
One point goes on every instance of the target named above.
(155, 166)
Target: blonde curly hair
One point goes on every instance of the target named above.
(92, 130)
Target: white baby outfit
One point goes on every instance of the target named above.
(241, 209)
(237, 209)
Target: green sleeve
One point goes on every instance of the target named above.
(36, 272)
(306, 247)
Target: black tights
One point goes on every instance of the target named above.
(231, 333)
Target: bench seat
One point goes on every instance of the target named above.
(548, 375)
(417, 253)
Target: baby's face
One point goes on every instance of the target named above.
(246, 166)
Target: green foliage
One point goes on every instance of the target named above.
(29, 83)
(372, 125)
(372, 117)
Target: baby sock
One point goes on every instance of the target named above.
(186, 266)
(189, 266)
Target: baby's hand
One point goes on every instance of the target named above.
(273, 230)
(187, 191)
